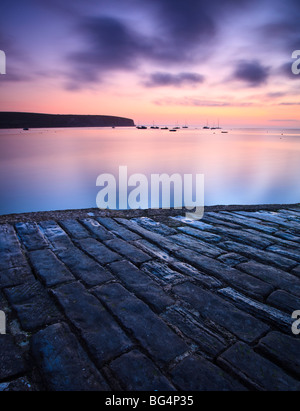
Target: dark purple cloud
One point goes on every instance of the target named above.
(182, 32)
(276, 94)
(99, 37)
(112, 44)
(286, 70)
(281, 30)
(199, 102)
(290, 104)
(187, 21)
(162, 79)
(251, 72)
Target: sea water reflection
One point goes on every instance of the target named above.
(56, 169)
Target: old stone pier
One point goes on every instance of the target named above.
(100, 300)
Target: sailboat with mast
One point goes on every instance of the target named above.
(154, 126)
(206, 127)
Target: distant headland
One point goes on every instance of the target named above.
(10, 119)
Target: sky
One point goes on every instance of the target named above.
(161, 61)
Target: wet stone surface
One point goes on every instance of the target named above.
(151, 301)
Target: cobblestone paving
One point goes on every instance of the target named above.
(114, 303)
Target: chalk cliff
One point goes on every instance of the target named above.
(35, 120)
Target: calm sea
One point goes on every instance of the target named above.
(55, 169)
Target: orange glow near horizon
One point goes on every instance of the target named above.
(126, 95)
(148, 106)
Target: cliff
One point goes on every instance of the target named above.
(35, 120)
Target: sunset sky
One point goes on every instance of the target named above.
(165, 61)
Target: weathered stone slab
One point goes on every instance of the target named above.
(208, 341)
(55, 235)
(31, 236)
(230, 276)
(296, 271)
(283, 349)
(151, 332)
(213, 307)
(155, 226)
(155, 238)
(142, 285)
(118, 229)
(97, 229)
(33, 305)
(278, 241)
(10, 250)
(216, 222)
(19, 384)
(200, 225)
(257, 309)
(15, 276)
(98, 251)
(243, 236)
(142, 321)
(256, 371)
(24, 292)
(286, 235)
(128, 250)
(63, 363)
(83, 267)
(75, 229)
(153, 250)
(286, 252)
(284, 301)
(295, 208)
(232, 259)
(196, 245)
(12, 362)
(137, 373)
(162, 272)
(2, 301)
(278, 278)
(201, 234)
(103, 336)
(272, 218)
(289, 214)
(262, 216)
(266, 257)
(201, 278)
(252, 223)
(197, 374)
(49, 268)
